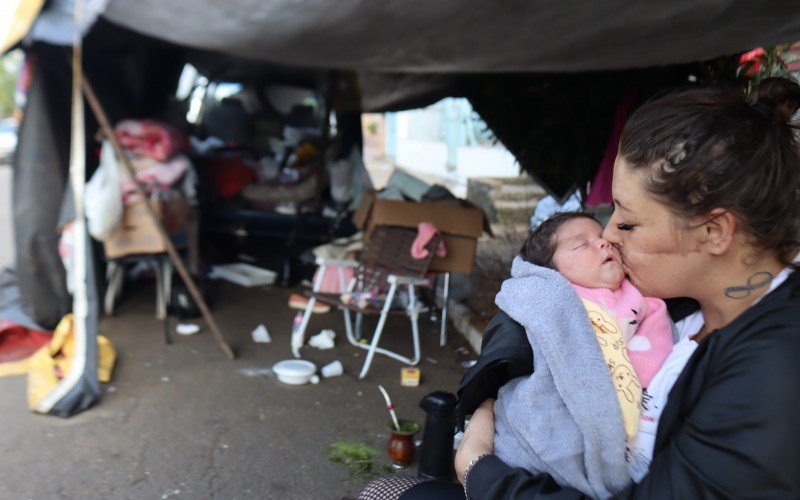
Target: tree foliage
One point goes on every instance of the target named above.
(9, 70)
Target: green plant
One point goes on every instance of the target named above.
(357, 457)
(406, 426)
(765, 62)
(9, 69)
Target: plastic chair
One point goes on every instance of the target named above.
(385, 266)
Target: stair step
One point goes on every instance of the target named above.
(506, 205)
(514, 212)
(515, 231)
(518, 192)
(505, 200)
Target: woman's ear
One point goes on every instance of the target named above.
(719, 229)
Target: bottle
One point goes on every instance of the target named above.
(436, 455)
(297, 334)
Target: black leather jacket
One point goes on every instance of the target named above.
(731, 426)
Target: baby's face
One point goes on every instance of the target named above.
(585, 258)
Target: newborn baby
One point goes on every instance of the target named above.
(564, 419)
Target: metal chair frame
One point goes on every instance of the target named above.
(385, 261)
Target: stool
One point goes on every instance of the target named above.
(115, 276)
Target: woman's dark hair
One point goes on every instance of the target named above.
(540, 246)
(709, 148)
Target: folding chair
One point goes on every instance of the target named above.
(385, 266)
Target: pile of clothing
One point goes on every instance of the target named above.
(156, 152)
(287, 181)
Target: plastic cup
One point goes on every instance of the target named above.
(332, 369)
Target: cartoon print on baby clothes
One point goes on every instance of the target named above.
(626, 383)
(605, 325)
(612, 348)
(629, 321)
(625, 354)
(646, 399)
(602, 323)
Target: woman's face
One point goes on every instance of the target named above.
(660, 254)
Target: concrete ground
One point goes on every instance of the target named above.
(183, 421)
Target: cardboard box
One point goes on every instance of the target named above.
(460, 225)
(138, 234)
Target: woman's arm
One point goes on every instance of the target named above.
(505, 354)
(738, 437)
(489, 477)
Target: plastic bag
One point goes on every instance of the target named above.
(104, 196)
(348, 179)
(66, 247)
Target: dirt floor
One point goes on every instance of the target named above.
(183, 421)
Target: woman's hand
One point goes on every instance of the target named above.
(478, 438)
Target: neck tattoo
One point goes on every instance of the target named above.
(754, 282)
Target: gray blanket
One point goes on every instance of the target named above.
(564, 419)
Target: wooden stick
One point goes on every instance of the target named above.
(98, 111)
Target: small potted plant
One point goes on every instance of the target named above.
(401, 442)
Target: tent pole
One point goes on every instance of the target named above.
(98, 111)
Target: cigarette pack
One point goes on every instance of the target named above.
(409, 376)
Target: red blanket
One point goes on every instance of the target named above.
(18, 342)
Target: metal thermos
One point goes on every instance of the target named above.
(436, 453)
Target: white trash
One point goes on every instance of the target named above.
(261, 335)
(187, 329)
(332, 369)
(323, 340)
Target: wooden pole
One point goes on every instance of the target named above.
(108, 131)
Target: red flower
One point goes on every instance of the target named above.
(753, 61)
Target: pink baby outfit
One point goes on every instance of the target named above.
(644, 323)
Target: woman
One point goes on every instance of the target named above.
(707, 206)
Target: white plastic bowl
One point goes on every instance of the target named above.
(296, 371)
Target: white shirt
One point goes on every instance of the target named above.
(654, 398)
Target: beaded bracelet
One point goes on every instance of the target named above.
(468, 468)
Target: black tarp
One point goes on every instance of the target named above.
(545, 75)
(40, 173)
(465, 36)
(540, 72)
(132, 79)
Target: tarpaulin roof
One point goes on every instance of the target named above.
(569, 62)
(546, 75)
(466, 35)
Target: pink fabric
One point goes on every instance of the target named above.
(644, 323)
(330, 280)
(600, 193)
(150, 138)
(153, 175)
(425, 232)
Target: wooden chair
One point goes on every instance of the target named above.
(385, 266)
